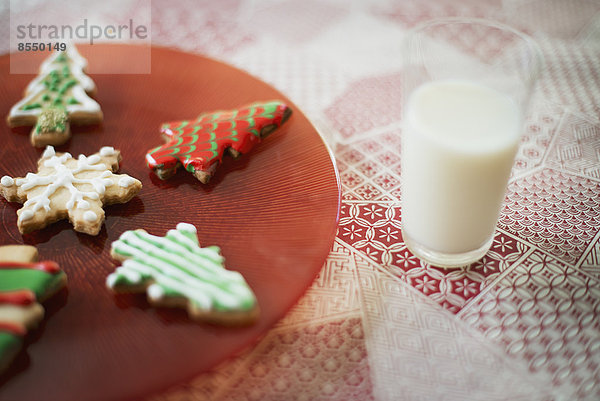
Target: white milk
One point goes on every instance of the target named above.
(459, 143)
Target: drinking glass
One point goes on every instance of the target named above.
(467, 87)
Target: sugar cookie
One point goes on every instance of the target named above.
(174, 271)
(199, 144)
(60, 95)
(65, 187)
(24, 283)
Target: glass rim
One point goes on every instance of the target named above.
(537, 57)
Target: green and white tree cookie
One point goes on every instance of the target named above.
(58, 96)
(175, 271)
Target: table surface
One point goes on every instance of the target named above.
(524, 322)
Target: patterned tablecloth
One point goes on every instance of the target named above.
(524, 322)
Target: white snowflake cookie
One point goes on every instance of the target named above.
(58, 96)
(65, 187)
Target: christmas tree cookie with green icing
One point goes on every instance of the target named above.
(57, 97)
(198, 145)
(68, 187)
(175, 271)
(24, 284)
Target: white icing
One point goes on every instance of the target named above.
(150, 160)
(192, 288)
(26, 215)
(185, 238)
(7, 181)
(155, 292)
(107, 151)
(111, 280)
(93, 159)
(90, 216)
(186, 227)
(48, 152)
(66, 177)
(77, 65)
(126, 181)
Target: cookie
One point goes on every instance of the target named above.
(175, 271)
(58, 96)
(65, 187)
(23, 285)
(199, 144)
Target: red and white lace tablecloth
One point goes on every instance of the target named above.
(377, 323)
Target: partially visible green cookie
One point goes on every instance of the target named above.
(24, 283)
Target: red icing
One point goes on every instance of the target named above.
(13, 328)
(19, 297)
(198, 144)
(45, 266)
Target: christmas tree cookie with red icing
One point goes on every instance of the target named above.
(24, 284)
(198, 145)
(58, 96)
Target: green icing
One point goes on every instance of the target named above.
(9, 343)
(35, 280)
(32, 106)
(177, 266)
(57, 83)
(66, 85)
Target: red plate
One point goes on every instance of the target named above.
(274, 213)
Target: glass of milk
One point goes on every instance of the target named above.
(467, 86)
